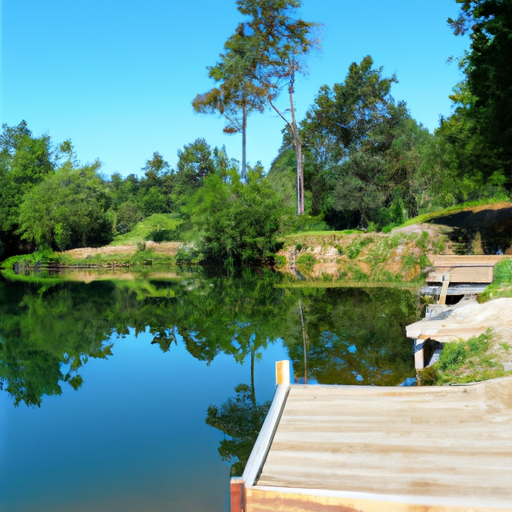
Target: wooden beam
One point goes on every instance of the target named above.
(444, 289)
(482, 275)
(265, 437)
(283, 375)
(438, 260)
(419, 354)
(237, 491)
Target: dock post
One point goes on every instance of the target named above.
(283, 372)
(419, 354)
(237, 491)
(444, 289)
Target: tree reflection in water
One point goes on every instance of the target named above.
(49, 331)
(240, 419)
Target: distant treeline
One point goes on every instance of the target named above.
(363, 160)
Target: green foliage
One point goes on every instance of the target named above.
(281, 48)
(363, 151)
(188, 254)
(464, 361)
(488, 69)
(195, 163)
(306, 223)
(280, 260)
(241, 420)
(502, 283)
(157, 227)
(282, 176)
(25, 161)
(306, 262)
(68, 209)
(26, 261)
(236, 223)
(359, 243)
(128, 214)
(239, 92)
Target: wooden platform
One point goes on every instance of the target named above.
(462, 275)
(449, 260)
(384, 449)
(450, 271)
(463, 269)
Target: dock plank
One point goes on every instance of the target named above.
(462, 275)
(452, 443)
(442, 260)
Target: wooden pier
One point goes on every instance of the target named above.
(381, 449)
(460, 275)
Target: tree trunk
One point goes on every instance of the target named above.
(305, 343)
(244, 143)
(298, 152)
(253, 389)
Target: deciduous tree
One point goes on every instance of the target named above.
(238, 93)
(489, 75)
(284, 40)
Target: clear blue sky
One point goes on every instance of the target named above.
(118, 78)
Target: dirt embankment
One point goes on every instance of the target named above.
(401, 254)
(398, 256)
(168, 248)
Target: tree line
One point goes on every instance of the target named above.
(357, 159)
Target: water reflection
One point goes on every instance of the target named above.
(354, 336)
(51, 331)
(240, 418)
(350, 336)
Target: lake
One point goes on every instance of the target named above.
(105, 387)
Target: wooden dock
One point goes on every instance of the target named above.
(382, 449)
(460, 275)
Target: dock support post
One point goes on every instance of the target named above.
(444, 289)
(283, 372)
(419, 354)
(237, 491)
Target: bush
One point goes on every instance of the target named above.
(306, 262)
(280, 260)
(355, 248)
(237, 223)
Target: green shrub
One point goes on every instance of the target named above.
(305, 223)
(355, 248)
(429, 376)
(187, 254)
(359, 275)
(372, 227)
(280, 260)
(236, 223)
(306, 262)
(501, 284)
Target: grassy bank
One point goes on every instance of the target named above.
(141, 257)
(474, 360)
(502, 284)
(359, 257)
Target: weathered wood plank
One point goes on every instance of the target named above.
(379, 441)
(441, 260)
(462, 275)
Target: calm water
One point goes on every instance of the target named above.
(105, 387)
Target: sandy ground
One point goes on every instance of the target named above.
(169, 248)
(472, 319)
